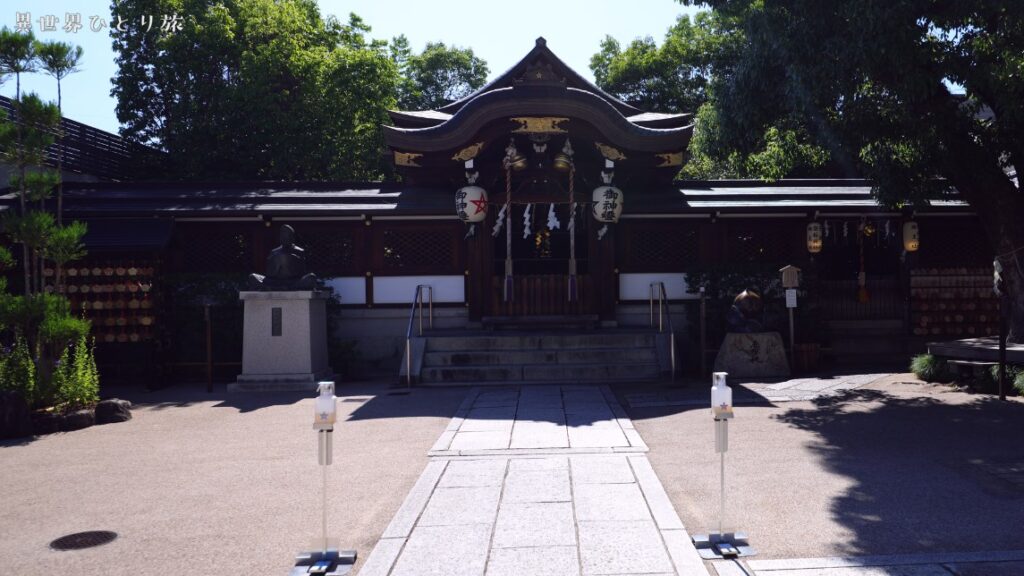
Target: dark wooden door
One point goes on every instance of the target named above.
(540, 262)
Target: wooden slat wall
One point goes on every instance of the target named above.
(543, 295)
(88, 150)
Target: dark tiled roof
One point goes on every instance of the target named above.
(88, 201)
(137, 233)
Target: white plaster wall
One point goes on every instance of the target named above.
(401, 289)
(350, 289)
(638, 286)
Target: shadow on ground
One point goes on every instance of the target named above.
(927, 474)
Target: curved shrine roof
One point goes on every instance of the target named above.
(539, 85)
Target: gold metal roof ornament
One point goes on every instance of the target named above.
(408, 159)
(542, 125)
(469, 152)
(609, 152)
(669, 159)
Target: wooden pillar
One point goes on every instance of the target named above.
(480, 254)
(602, 270)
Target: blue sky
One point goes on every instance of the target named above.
(499, 32)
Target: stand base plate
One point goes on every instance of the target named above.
(331, 563)
(716, 546)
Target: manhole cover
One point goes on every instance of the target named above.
(83, 540)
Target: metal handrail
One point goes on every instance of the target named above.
(662, 312)
(417, 302)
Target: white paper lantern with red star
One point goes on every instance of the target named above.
(471, 203)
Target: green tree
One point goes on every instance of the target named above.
(256, 89)
(59, 59)
(870, 83)
(673, 77)
(437, 76)
(17, 57)
(63, 246)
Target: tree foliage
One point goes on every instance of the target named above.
(437, 76)
(672, 77)
(254, 89)
(870, 82)
(37, 328)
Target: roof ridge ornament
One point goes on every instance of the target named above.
(539, 125)
(539, 72)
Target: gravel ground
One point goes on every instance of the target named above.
(894, 467)
(218, 483)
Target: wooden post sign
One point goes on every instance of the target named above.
(790, 281)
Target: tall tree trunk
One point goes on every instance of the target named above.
(26, 257)
(60, 158)
(1000, 207)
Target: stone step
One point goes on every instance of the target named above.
(539, 342)
(866, 327)
(632, 371)
(862, 346)
(591, 372)
(899, 362)
(539, 357)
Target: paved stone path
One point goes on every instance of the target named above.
(537, 481)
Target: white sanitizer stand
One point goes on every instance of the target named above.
(325, 559)
(722, 544)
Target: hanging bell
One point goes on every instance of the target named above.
(518, 162)
(562, 162)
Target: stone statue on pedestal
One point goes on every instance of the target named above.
(745, 313)
(286, 267)
(749, 351)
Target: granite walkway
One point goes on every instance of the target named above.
(537, 481)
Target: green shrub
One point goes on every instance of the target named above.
(1014, 375)
(19, 371)
(930, 368)
(76, 378)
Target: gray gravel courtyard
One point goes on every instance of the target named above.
(207, 484)
(199, 484)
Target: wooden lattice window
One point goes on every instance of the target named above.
(215, 249)
(953, 245)
(329, 252)
(755, 243)
(664, 248)
(405, 250)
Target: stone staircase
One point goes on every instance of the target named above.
(878, 343)
(493, 358)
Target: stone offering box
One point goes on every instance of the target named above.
(285, 341)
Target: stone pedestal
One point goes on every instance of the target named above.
(754, 355)
(284, 345)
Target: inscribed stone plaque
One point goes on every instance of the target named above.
(275, 321)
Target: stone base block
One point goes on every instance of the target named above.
(284, 344)
(755, 355)
(303, 382)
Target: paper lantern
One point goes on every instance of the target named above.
(471, 203)
(911, 241)
(607, 203)
(814, 238)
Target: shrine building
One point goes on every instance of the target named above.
(536, 203)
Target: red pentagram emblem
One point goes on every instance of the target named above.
(481, 205)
